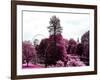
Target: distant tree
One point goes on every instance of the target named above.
(36, 42)
(42, 50)
(28, 52)
(72, 45)
(80, 49)
(85, 42)
(72, 42)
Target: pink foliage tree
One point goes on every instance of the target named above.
(28, 52)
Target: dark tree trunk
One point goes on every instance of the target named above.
(27, 63)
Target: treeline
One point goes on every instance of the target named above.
(49, 52)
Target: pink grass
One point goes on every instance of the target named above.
(31, 66)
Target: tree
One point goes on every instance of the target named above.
(72, 45)
(42, 49)
(85, 43)
(28, 52)
(79, 49)
(55, 27)
(56, 49)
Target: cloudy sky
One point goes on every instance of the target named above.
(35, 24)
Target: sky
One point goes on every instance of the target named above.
(35, 24)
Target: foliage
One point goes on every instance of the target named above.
(72, 45)
(55, 27)
(28, 52)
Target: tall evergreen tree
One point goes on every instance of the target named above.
(55, 27)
